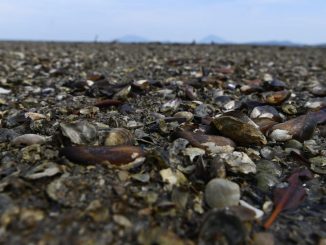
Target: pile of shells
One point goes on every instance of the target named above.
(161, 144)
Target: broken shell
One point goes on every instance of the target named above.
(239, 162)
(193, 152)
(276, 98)
(268, 174)
(173, 177)
(123, 93)
(29, 139)
(34, 116)
(46, 169)
(81, 132)
(318, 164)
(92, 110)
(300, 128)
(239, 128)
(116, 155)
(119, 136)
(171, 105)
(141, 84)
(221, 193)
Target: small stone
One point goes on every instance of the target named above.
(221, 193)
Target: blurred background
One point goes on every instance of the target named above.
(219, 21)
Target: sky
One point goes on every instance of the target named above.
(302, 21)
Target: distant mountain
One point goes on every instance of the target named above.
(274, 43)
(212, 39)
(131, 39)
(323, 45)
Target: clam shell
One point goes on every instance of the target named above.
(119, 136)
(184, 114)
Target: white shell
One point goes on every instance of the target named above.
(280, 135)
(29, 139)
(239, 162)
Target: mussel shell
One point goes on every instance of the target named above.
(116, 155)
(240, 128)
(300, 128)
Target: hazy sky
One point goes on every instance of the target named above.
(302, 21)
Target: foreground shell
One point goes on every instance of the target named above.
(116, 155)
(300, 128)
(240, 128)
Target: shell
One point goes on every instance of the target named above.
(276, 98)
(171, 105)
(80, 132)
(266, 112)
(184, 114)
(29, 139)
(123, 93)
(214, 143)
(116, 155)
(300, 128)
(34, 116)
(141, 84)
(119, 136)
(239, 162)
(240, 128)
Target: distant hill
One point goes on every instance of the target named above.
(215, 40)
(131, 39)
(323, 45)
(212, 39)
(274, 43)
